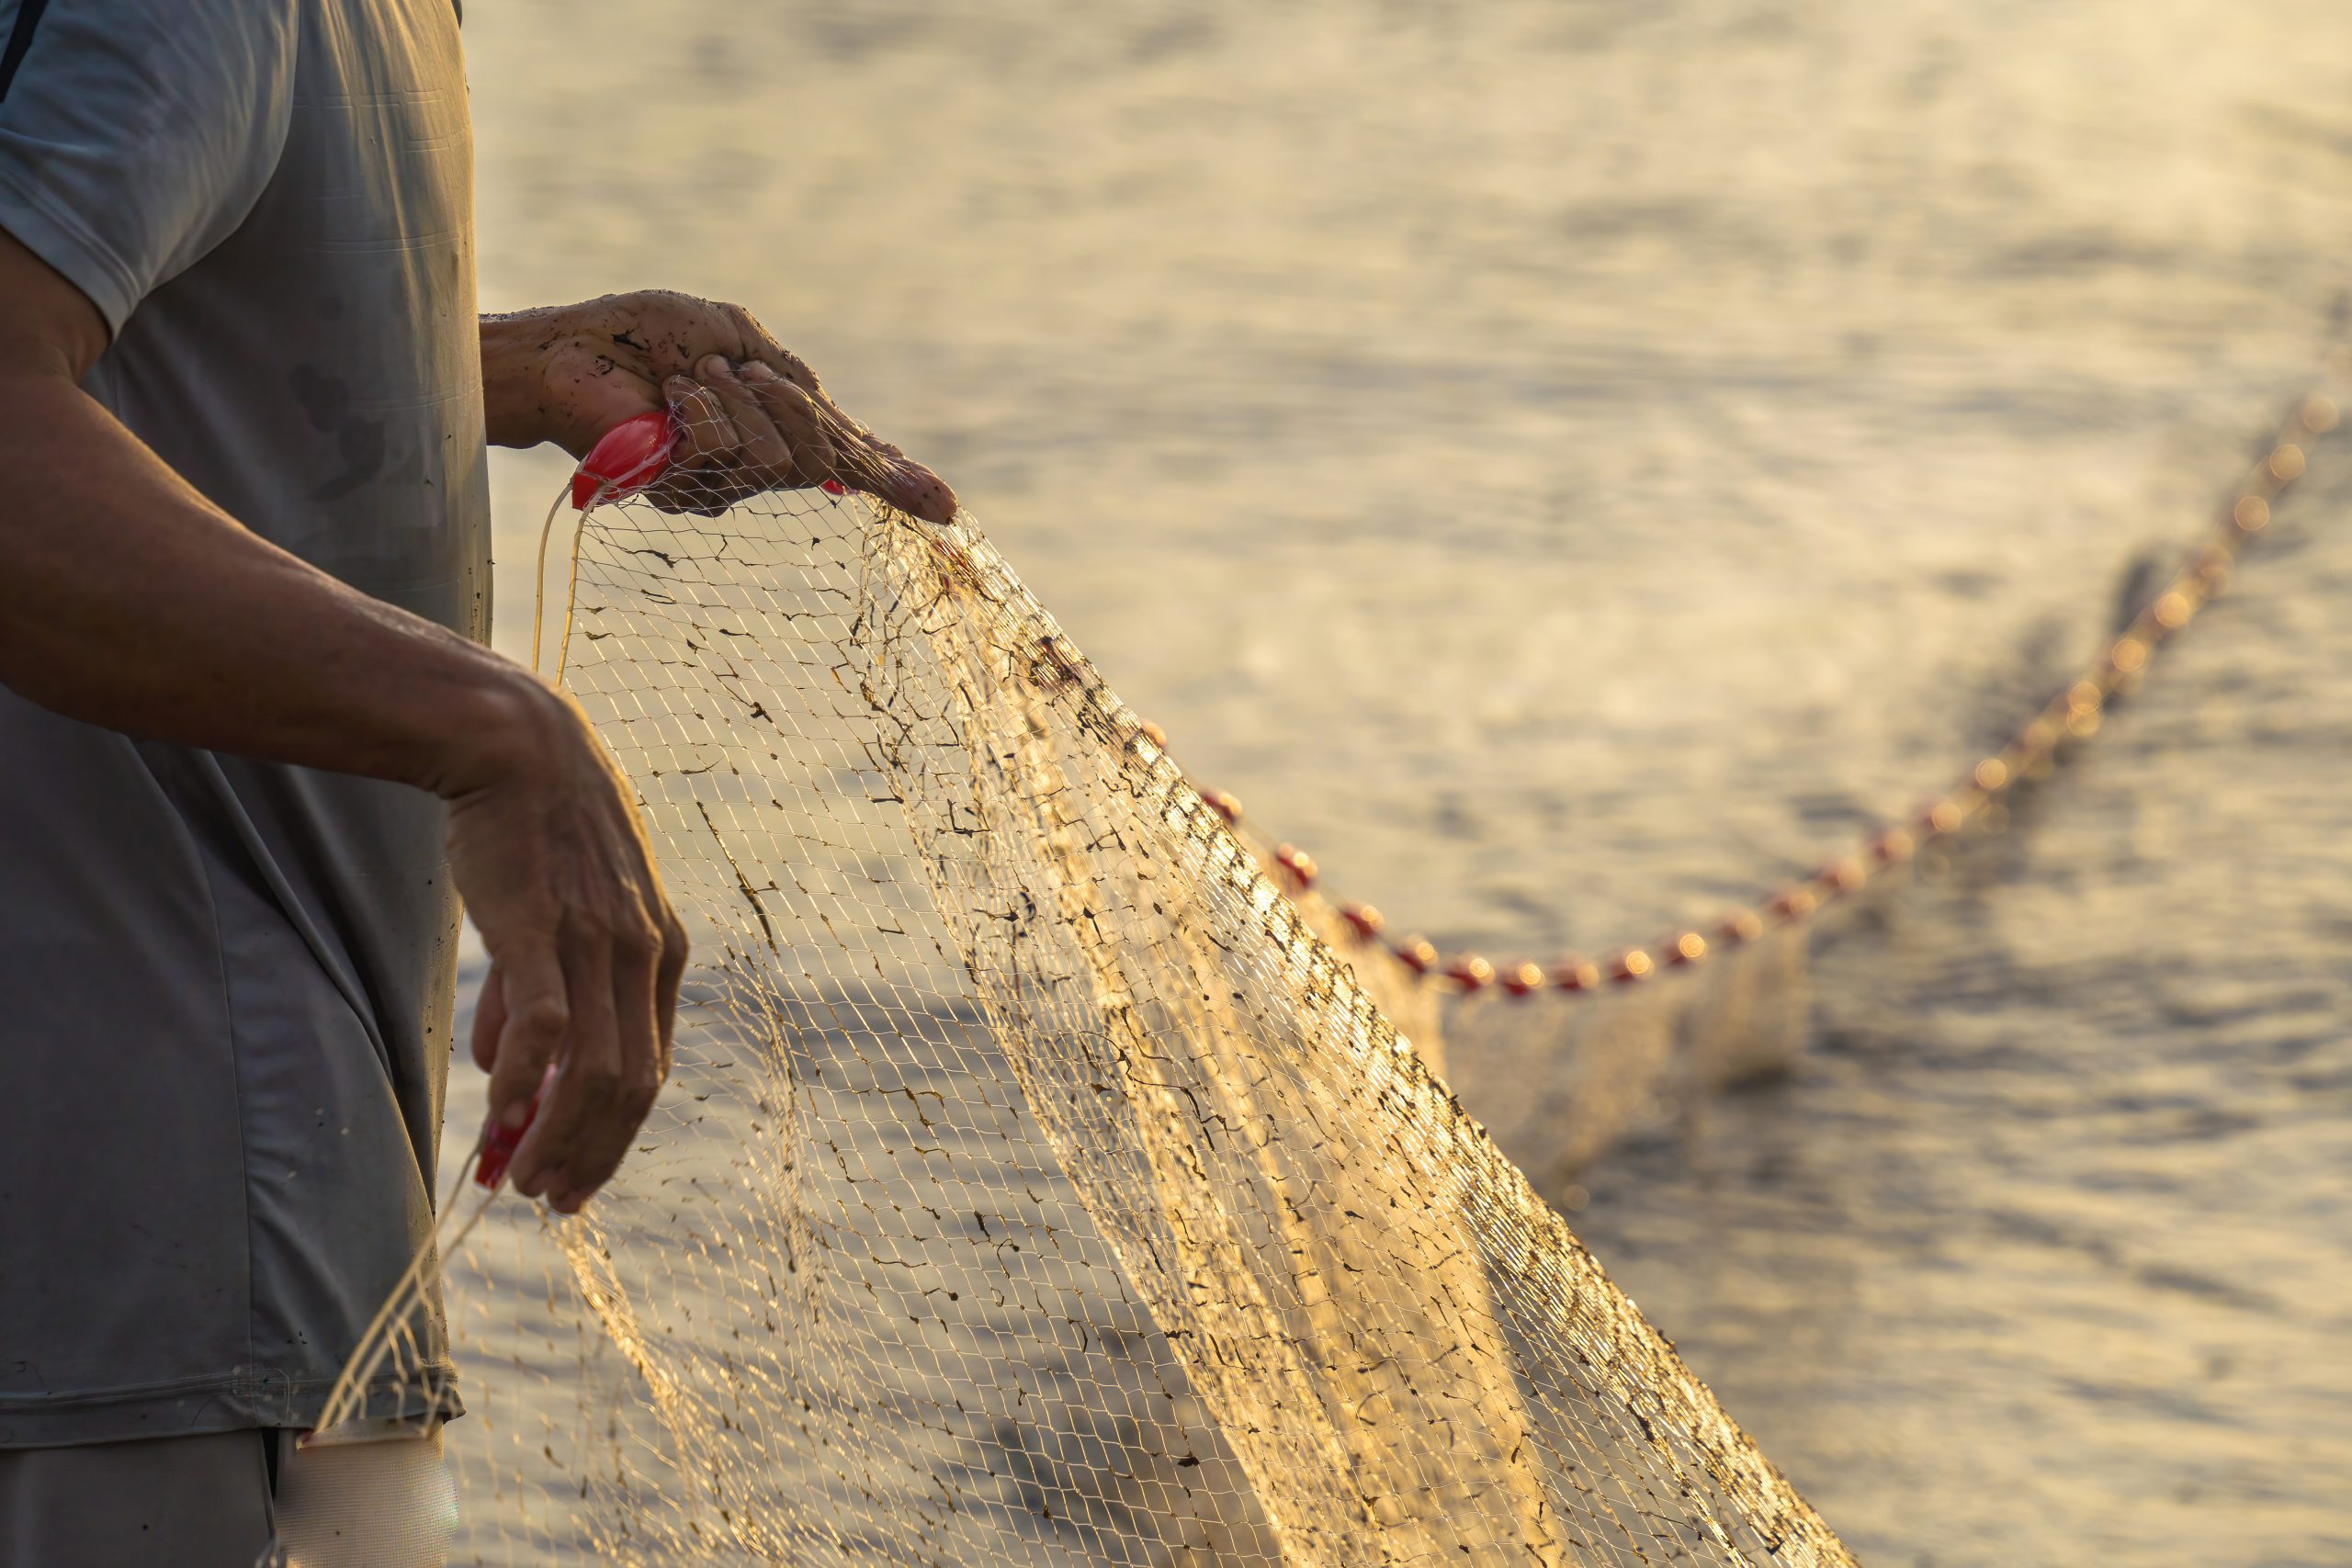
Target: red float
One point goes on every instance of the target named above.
(498, 1147)
(1939, 817)
(1471, 972)
(1740, 925)
(1416, 954)
(626, 459)
(1630, 965)
(1573, 973)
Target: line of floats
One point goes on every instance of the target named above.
(2070, 717)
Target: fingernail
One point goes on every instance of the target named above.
(712, 364)
(755, 371)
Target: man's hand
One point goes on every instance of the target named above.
(755, 416)
(585, 954)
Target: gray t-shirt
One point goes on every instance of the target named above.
(225, 985)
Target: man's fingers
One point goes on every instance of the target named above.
(700, 477)
(927, 495)
(587, 1080)
(795, 413)
(761, 448)
(705, 433)
(853, 455)
(917, 492)
(641, 1064)
(890, 474)
(667, 978)
(536, 1017)
(763, 421)
(490, 1018)
(903, 482)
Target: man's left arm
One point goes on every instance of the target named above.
(752, 415)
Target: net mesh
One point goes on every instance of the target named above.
(1033, 1184)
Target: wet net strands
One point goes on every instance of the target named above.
(1034, 1184)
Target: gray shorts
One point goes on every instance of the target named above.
(374, 1494)
(201, 1502)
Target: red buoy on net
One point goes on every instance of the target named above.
(1794, 903)
(1684, 947)
(501, 1142)
(1892, 847)
(1740, 925)
(1523, 979)
(1840, 876)
(626, 459)
(498, 1150)
(1297, 863)
(1363, 919)
(1223, 803)
(1416, 954)
(1471, 972)
(1573, 973)
(1939, 817)
(1630, 965)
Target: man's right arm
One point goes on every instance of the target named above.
(129, 601)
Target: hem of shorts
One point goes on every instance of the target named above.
(230, 1402)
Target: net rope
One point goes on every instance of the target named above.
(1034, 1184)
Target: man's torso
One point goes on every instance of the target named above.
(224, 985)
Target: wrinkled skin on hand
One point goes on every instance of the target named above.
(755, 417)
(586, 953)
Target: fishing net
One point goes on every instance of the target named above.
(1033, 1184)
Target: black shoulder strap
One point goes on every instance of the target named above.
(20, 39)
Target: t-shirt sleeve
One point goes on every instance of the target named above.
(136, 135)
